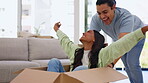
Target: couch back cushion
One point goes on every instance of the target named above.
(13, 49)
(40, 48)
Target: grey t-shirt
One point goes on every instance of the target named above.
(123, 21)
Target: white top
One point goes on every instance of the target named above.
(85, 59)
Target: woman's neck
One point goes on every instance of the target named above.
(87, 46)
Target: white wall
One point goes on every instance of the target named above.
(8, 18)
(136, 7)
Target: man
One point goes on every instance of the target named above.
(117, 22)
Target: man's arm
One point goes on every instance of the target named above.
(144, 29)
(121, 35)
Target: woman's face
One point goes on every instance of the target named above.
(88, 36)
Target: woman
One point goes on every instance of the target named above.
(93, 54)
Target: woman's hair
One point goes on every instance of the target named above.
(93, 54)
(109, 2)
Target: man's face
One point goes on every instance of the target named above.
(88, 36)
(106, 13)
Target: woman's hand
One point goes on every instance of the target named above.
(111, 65)
(57, 26)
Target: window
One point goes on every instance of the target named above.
(8, 18)
(41, 15)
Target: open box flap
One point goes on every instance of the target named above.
(97, 75)
(35, 76)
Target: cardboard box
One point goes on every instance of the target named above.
(96, 75)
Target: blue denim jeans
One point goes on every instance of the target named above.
(54, 65)
(132, 63)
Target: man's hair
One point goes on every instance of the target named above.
(93, 54)
(109, 2)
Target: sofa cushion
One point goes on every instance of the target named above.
(13, 49)
(40, 48)
(7, 69)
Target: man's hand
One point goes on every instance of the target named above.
(144, 29)
(57, 26)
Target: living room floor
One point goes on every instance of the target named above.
(145, 76)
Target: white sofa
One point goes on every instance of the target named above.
(20, 53)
